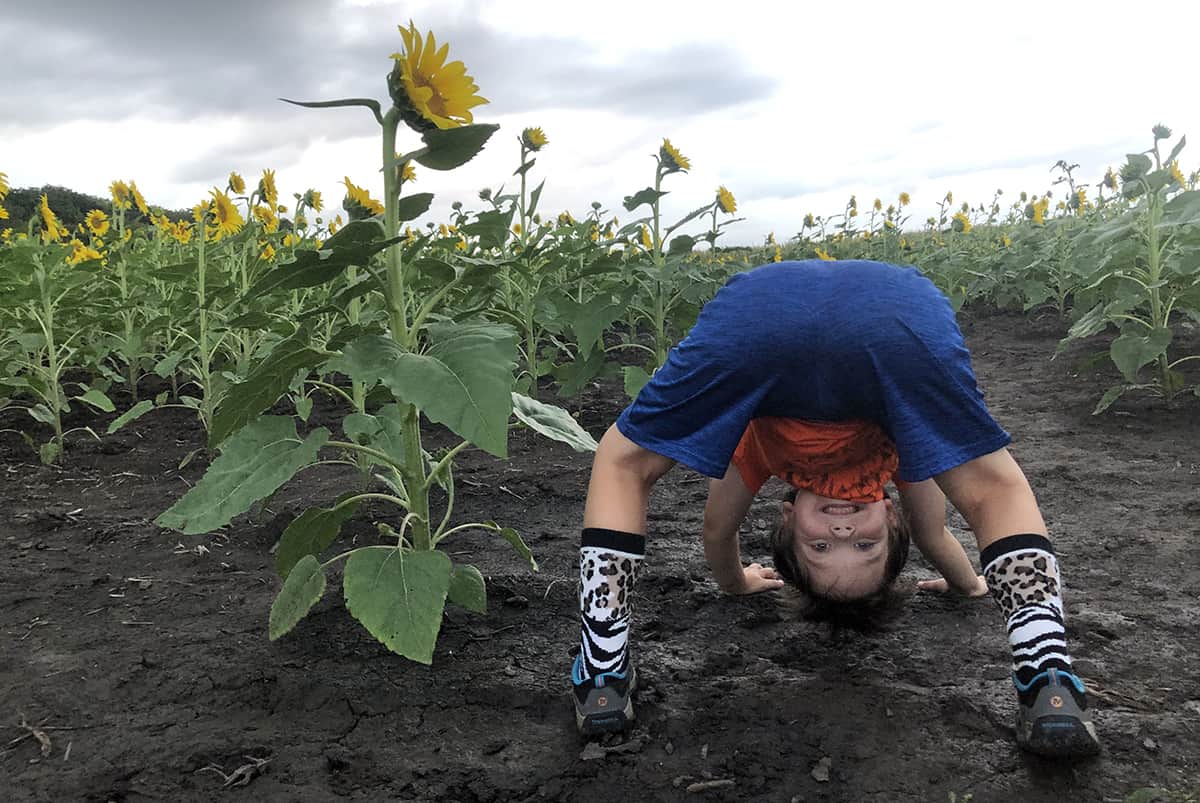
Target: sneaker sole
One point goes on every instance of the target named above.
(1059, 737)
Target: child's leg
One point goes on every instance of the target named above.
(608, 566)
(1022, 573)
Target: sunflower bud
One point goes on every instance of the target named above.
(485, 194)
(1161, 132)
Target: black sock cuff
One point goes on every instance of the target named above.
(601, 538)
(1014, 543)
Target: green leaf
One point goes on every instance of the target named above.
(383, 431)
(490, 227)
(399, 597)
(49, 452)
(136, 411)
(534, 197)
(553, 422)
(468, 589)
(98, 400)
(635, 379)
(302, 589)
(354, 244)
(1179, 146)
(514, 539)
(253, 464)
(411, 207)
(1181, 210)
(1137, 165)
(681, 244)
(646, 196)
(165, 367)
(304, 406)
(310, 533)
(1130, 352)
(268, 380)
(448, 148)
(463, 381)
(589, 321)
(1110, 396)
(41, 413)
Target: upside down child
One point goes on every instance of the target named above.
(837, 377)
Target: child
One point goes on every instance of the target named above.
(833, 376)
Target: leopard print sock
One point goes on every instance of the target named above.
(1022, 573)
(608, 566)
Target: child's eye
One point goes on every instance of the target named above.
(820, 546)
(865, 545)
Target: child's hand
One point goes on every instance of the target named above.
(942, 586)
(757, 578)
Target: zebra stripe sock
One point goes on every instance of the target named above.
(1022, 573)
(608, 566)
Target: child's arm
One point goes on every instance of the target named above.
(728, 502)
(925, 505)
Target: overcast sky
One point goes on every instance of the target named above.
(792, 106)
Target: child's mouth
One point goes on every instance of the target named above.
(840, 509)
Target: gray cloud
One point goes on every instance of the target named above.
(77, 59)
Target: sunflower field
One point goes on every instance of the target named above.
(250, 312)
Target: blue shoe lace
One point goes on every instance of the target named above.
(1052, 677)
(599, 680)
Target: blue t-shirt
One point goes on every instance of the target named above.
(821, 341)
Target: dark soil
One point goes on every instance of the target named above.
(144, 660)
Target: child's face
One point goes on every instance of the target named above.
(842, 547)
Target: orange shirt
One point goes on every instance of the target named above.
(847, 460)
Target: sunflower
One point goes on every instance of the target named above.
(3, 213)
(429, 92)
(312, 199)
(1177, 174)
(181, 231)
(877, 205)
(267, 253)
(291, 239)
(359, 202)
(407, 172)
(237, 184)
(138, 200)
(335, 224)
(266, 188)
(82, 253)
(52, 229)
(647, 241)
(3, 185)
(226, 217)
(1110, 179)
(726, 201)
(671, 159)
(778, 254)
(961, 222)
(266, 218)
(1037, 211)
(809, 221)
(120, 194)
(823, 256)
(565, 219)
(461, 245)
(533, 139)
(904, 199)
(97, 222)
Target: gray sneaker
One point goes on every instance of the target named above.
(1058, 724)
(603, 704)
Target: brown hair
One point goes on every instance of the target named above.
(867, 614)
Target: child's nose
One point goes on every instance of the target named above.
(842, 530)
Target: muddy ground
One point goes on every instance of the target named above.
(144, 660)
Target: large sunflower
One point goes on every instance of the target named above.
(726, 201)
(360, 202)
(266, 188)
(52, 229)
(97, 222)
(671, 159)
(225, 216)
(429, 92)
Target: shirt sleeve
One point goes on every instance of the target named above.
(750, 460)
